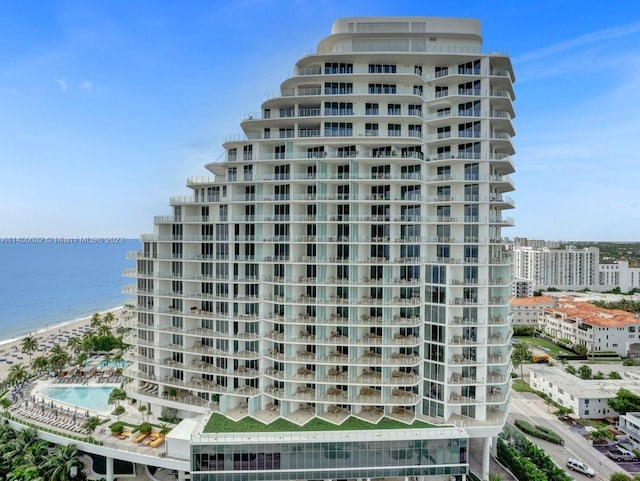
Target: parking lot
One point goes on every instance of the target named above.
(631, 467)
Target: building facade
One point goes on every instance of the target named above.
(630, 424)
(522, 288)
(587, 398)
(527, 311)
(596, 328)
(620, 275)
(560, 268)
(345, 260)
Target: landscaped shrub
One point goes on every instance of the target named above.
(539, 432)
(117, 427)
(145, 428)
(521, 467)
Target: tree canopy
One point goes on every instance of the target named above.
(624, 402)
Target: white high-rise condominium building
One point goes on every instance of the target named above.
(344, 262)
(568, 268)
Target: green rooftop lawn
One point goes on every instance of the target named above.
(220, 424)
(544, 345)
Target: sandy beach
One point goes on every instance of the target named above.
(10, 349)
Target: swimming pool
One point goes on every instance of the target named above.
(102, 364)
(94, 398)
(113, 364)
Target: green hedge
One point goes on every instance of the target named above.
(539, 432)
(522, 468)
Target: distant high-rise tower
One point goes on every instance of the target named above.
(345, 261)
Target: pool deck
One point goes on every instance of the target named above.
(54, 415)
(36, 394)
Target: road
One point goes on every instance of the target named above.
(531, 408)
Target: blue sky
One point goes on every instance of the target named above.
(107, 107)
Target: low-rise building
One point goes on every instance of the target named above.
(596, 328)
(526, 311)
(620, 275)
(630, 425)
(587, 398)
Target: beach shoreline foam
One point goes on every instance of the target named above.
(10, 349)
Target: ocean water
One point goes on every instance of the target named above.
(42, 284)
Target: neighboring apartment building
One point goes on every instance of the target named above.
(345, 261)
(527, 311)
(522, 288)
(596, 328)
(619, 274)
(536, 243)
(560, 268)
(630, 425)
(587, 398)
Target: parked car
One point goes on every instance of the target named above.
(580, 467)
(621, 455)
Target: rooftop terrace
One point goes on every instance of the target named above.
(220, 424)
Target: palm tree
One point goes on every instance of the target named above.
(17, 373)
(58, 357)
(73, 344)
(103, 330)
(95, 321)
(56, 350)
(143, 411)
(91, 424)
(598, 435)
(109, 318)
(116, 396)
(521, 354)
(29, 345)
(40, 364)
(58, 466)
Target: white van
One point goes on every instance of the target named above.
(580, 467)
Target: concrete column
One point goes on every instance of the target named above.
(109, 462)
(486, 451)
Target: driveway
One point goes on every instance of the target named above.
(631, 467)
(531, 408)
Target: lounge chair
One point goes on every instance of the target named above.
(140, 437)
(157, 442)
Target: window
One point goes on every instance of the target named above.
(371, 130)
(393, 130)
(469, 68)
(279, 152)
(281, 172)
(393, 109)
(441, 71)
(382, 88)
(337, 68)
(247, 152)
(338, 88)
(371, 109)
(382, 68)
(338, 129)
(469, 88)
(338, 108)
